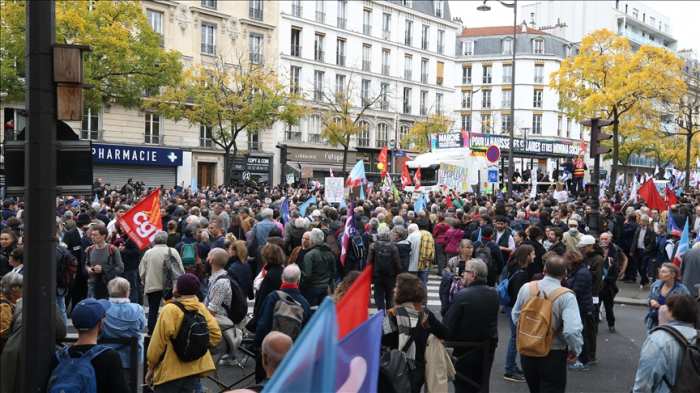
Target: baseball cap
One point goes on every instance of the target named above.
(324, 220)
(573, 223)
(586, 240)
(676, 232)
(88, 313)
(255, 204)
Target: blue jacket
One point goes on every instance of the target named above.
(242, 274)
(202, 248)
(661, 357)
(581, 282)
(655, 292)
(262, 229)
(627, 236)
(661, 256)
(268, 308)
(125, 320)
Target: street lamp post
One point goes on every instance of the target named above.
(511, 123)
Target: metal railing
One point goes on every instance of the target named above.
(293, 136)
(407, 74)
(471, 348)
(320, 17)
(209, 49)
(507, 78)
(537, 104)
(319, 55)
(367, 29)
(366, 65)
(385, 69)
(209, 3)
(407, 109)
(91, 135)
(255, 13)
(466, 104)
(384, 105)
(206, 142)
(152, 139)
(486, 79)
(318, 96)
(466, 81)
(296, 10)
(342, 22)
(486, 104)
(505, 104)
(254, 146)
(340, 60)
(386, 34)
(296, 50)
(439, 81)
(408, 41)
(256, 58)
(316, 139)
(424, 45)
(441, 49)
(538, 78)
(424, 78)
(423, 111)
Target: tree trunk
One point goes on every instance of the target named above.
(345, 161)
(616, 145)
(227, 162)
(231, 161)
(687, 161)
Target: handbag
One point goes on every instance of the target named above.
(393, 370)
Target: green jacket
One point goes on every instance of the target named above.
(319, 267)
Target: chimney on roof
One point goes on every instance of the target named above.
(458, 19)
(523, 27)
(532, 20)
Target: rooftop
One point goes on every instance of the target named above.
(496, 30)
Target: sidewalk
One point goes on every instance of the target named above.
(631, 295)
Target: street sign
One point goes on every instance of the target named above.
(493, 153)
(493, 176)
(246, 176)
(399, 154)
(392, 144)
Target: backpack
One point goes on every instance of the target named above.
(534, 330)
(192, 341)
(688, 377)
(189, 254)
(238, 309)
(503, 288)
(358, 247)
(333, 243)
(110, 260)
(608, 225)
(66, 268)
(287, 316)
(384, 259)
(171, 272)
(483, 252)
(73, 375)
(393, 370)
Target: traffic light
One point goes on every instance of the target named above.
(595, 123)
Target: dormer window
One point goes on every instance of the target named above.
(569, 50)
(507, 46)
(468, 48)
(538, 46)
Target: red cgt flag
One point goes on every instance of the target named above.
(671, 198)
(384, 160)
(416, 178)
(405, 177)
(143, 220)
(651, 195)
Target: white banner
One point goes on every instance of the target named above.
(334, 189)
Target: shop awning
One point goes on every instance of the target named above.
(296, 166)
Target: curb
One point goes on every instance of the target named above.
(630, 301)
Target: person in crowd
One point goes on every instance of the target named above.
(534, 236)
(503, 236)
(291, 276)
(216, 234)
(549, 373)
(643, 248)
(270, 279)
(452, 238)
(439, 235)
(400, 235)
(496, 265)
(690, 266)
(293, 238)
(555, 236)
(17, 260)
(614, 263)
(220, 294)
(386, 260)
(319, 269)
(262, 229)
(473, 317)
(299, 253)
(151, 274)
(173, 235)
(662, 353)
(88, 318)
(667, 284)
(235, 228)
(629, 229)
(190, 237)
(237, 266)
(274, 348)
(517, 277)
(410, 313)
(102, 262)
(593, 259)
(572, 236)
(580, 281)
(451, 282)
(344, 285)
(10, 292)
(124, 319)
(131, 257)
(225, 219)
(77, 241)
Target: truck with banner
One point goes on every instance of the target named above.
(454, 168)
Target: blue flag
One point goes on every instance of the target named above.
(305, 205)
(478, 238)
(362, 192)
(194, 183)
(671, 225)
(311, 364)
(285, 211)
(343, 203)
(420, 202)
(358, 357)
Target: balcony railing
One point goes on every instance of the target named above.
(407, 74)
(384, 105)
(385, 69)
(441, 49)
(206, 143)
(209, 3)
(537, 104)
(424, 78)
(316, 139)
(438, 13)
(92, 135)
(466, 104)
(340, 60)
(424, 45)
(505, 104)
(366, 101)
(292, 136)
(367, 29)
(256, 58)
(486, 79)
(408, 41)
(467, 81)
(320, 17)
(366, 65)
(640, 161)
(538, 78)
(255, 13)
(296, 10)
(423, 111)
(386, 34)
(639, 39)
(507, 78)
(254, 146)
(152, 139)
(439, 81)
(209, 49)
(486, 104)
(319, 55)
(379, 143)
(296, 50)
(342, 22)
(318, 95)
(406, 109)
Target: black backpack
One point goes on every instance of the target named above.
(393, 370)
(358, 248)
(66, 268)
(688, 376)
(483, 252)
(192, 341)
(239, 305)
(384, 259)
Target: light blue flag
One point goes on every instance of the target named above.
(478, 238)
(358, 357)
(305, 205)
(311, 364)
(362, 192)
(418, 206)
(343, 203)
(194, 183)
(285, 211)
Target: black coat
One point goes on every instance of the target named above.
(649, 241)
(473, 315)
(538, 265)
(581, 282)
(559, 248)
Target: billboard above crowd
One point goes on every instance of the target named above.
(481, 142)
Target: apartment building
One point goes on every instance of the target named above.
(397, 51)
(483, 77)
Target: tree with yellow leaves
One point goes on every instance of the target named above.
(607, 79)
(230, 95)
(126, 59)
(419, 134)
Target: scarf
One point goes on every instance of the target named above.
(119, 300)
(406, 319)
(287, 285)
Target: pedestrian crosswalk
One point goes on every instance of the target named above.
(433, 300)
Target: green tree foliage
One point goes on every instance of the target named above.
(419, 134)
(232, 97)
(126, 59)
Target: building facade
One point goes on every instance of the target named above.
(393, 53)
(483, 76)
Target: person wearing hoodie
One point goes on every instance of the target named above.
(593, 259)
(580, 281)
(318, 272)
(572, 237)
(123, 320)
